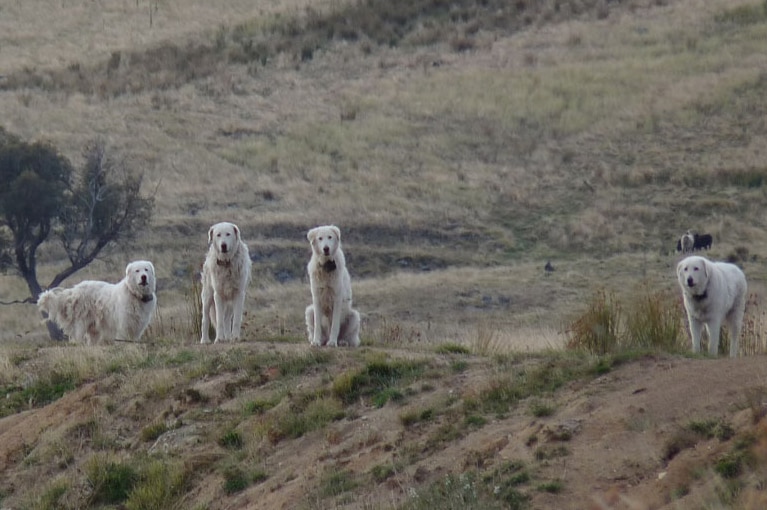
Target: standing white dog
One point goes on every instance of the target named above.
(93, 311)
(714, 293)
(225, 278)
(331, 286)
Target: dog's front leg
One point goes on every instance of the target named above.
(317, 310)
(221, 318)
(239, 305)
(713, 326)
(205, 326)
(335, 321)
(695, 329)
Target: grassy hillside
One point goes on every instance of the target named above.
(459, 146)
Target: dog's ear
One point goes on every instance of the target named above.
(210, 235)
(128, 268)
(151, 267)
(311, 235)
(236, 232)
(705, 267)
(336, 231)
(680, 268)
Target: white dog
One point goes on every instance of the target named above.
(331, 288)
(714, 293)
(225, 278)
(93, 311)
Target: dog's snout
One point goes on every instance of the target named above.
(326, 250)
(690, 281)
(223, 247)
(143, 278)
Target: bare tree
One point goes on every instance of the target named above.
(43, 199)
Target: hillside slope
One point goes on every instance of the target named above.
(649, 433)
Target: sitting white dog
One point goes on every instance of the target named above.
(714, 294)
(225, 278)
(331, 309)
(93, 311)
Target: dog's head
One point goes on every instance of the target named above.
(225, 238)
(140, 276)
(325, 240)
(693, 274)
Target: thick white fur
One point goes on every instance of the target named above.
(93, 311)
(714, 294)
(331, 288)
(225, 279)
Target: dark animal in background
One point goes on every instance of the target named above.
(700, 242)
(549, 268)
(703, 242)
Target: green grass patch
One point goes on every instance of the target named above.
(381, 472)
(160, 485)
(414, 416)
(451, 348)
(455, 492)
(259, 406)
(376, 377)
(552, 486)
(712, 429)
(153, 431)
(231, 440)
(43, 391)
(302, 416)
(110, 482)
(337, 482)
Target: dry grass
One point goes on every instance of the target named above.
(566, 142)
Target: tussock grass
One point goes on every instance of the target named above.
(303, 414)
(161, 483)
(652, 320)
(110, 482)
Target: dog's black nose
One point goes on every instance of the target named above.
(223, 248)
(690, 281)
(326, 250)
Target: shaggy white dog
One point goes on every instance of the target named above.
(331, 288)
(714, 294)
(93, 311)
(225, 278)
